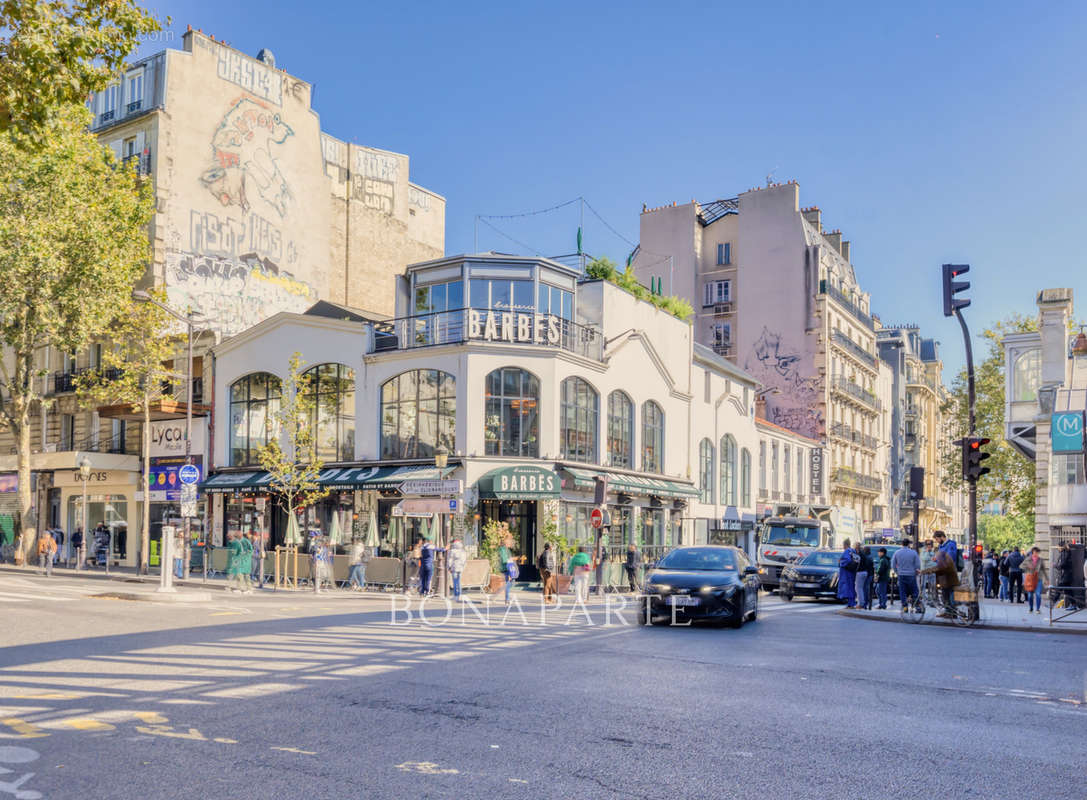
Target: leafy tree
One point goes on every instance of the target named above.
(999, 533)
(55, 52)
(294, 471)
(132, 373)
(73, 242)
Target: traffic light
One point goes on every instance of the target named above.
(979, 551)
(972, 456)
(952, 287)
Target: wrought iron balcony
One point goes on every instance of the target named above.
(856, 392)
(853, 348)
(846, 303)
(843, 431)
(855, 480)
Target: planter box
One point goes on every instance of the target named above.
(497, 584)
(562, 583)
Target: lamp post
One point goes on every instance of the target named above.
(167, 578)
(441, 459)
(84, 476)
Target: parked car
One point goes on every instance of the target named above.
(815, 575)
(710, 582)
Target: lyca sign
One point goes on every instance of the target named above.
(167, 437)
(514, 326)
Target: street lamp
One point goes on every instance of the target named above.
(441, 459)
(166, 580)
(84, 476)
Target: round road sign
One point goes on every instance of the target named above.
(188, 473)
(596, 518)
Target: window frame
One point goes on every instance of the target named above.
(652, 428)
(411, 408)
(572, 391)
(494, 445)
(729, 464)
(271, 431)
(345, 377)
(706, 477)
(614, 419)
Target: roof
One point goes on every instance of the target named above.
(715, 209)
(707, 356)
(928, 350)
(765, 423)
(493, 257)
(323, 308)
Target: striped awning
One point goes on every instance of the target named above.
(641, 485)
(333, 478)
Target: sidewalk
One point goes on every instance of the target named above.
(995, 615)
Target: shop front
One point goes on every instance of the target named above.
(517, 496)
(166, 458)
(111, 503)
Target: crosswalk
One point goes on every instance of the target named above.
(19, 589)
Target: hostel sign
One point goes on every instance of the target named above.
(514, 326)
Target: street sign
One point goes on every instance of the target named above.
(428, 505)
(397, 511)
(188, 499)
(430, 487)
(596, 518)
(188, 474)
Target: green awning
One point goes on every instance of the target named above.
(631, 484)
(528, 482)
(226, 482)
(334, 479)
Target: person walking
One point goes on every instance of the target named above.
(360, 557)
(256, 541)
(47, 549)
(906, 564)
(458, 560)
(580, 567)
(882, 573)
(1002, 574)
(547, 564)
(322, 563)
(1015, 576)
(75, 544)
(634, 560)
(101, 544)
(1035, 577)
(179, 553)
(509, 565)
(988, 572)
(847, 574)
(239, 563)
(864, 569)
(928, 558)
(1062, 577)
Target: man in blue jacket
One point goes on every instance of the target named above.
(947, 545)
(426, 564)
(847, 576)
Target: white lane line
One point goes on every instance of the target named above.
(34, 597)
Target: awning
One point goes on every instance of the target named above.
(334, 478)
(631, 484)
(528, 482)
(224, 482)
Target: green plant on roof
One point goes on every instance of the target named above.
(605, 269)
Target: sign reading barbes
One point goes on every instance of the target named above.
(514, 326)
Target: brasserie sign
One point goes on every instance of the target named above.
(514, 326)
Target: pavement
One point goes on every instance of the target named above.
(994, 614)
(296, 695)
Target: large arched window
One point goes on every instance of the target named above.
(1027, 376)
(254, 401)
(652, 437)
(418, 414)
(579, 419)
(332, 393)
(620, 430)
(705, 470)
(512, 422)
(745, 477)
(728, 470)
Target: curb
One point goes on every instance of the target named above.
(976, 626)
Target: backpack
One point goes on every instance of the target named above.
(854, 561)
(541, 562)
(512, 571)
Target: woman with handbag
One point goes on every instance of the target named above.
(1034, 579)
(509, 565)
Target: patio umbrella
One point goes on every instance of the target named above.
(335, 530)
(424, 528)
(371, 531)
(293, 537)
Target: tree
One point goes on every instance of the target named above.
(55, 52)
(1000, 533)
(293, 471)
(73, 242)
(132, 373)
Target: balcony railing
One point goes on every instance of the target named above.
(843, 431)
(857, 392)
(911, 412)
(845, 302)
(855, 480)
(486, 325)
(104, 444)
(141, 162)
(853, 348)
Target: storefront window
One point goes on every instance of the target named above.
(705, 470)
(620, 430)
(1067, 469)
(332, 389)
(555, 301)
(111, 509)
(574, 524)
(652, 437)
(501, 294)
(728, 470)
(254, 401)
(745, 477)
(512, 408)
(579, 419)
(654, 533)
(418, 414)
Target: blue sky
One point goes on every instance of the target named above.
(927, 132)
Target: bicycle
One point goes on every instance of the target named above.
(962, 612)
(913, 609)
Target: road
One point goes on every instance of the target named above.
(301, 696)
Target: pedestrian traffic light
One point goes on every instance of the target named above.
(979, 551)
(972, 456)
(952, 287)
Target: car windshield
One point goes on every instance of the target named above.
(791, 535)
(822, 559)
(699, 558)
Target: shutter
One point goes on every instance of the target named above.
(720, 254)
(115, 146)
(728, 252)
(707, 294)
(140, 142)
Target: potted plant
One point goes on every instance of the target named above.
(563, 550)
(495, 533)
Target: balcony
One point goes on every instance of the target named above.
(854, 349)
(856, 392)
(140, 162)
(855, 480)
(135, 105)
(115, 444)
(911, 412)
(846, 303)
(469, 325)
(843, 431)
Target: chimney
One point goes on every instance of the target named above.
(760, 406)
(814, 216)
(835, 240)
(846, 253)
(1054, 310)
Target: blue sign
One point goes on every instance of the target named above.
(1066, 431)
(165, 476)
(453, 506)
(188, 473)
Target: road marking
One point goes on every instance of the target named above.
(26, 730)
(165, 730)
(27, 597)
(296, 750)
(426, 768)
(88, 724)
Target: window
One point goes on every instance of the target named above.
(722, 334)
(69, 363)
(728, 470)
(1027, 376)
(1068, 469)
(787, 464)
(501, 294)
(439, 297)
(512, 422)
(254, 401)
(332, 390)
(117, 436)
(705, 470)
(762, 465)
(799, 470)
(418, 414)
(774, 466)
(714, 292)
(579, 416)
(555, 301)
(67, 432)
(652, 437)
(108, 102)
(707, 386)
(94, 355)
(745, 477)
(724, 254)
(128, 149)
(134, 91)
(620, 430)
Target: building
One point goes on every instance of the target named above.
(526, 376)
(791, 474)
(778, 295)
(1045, 401)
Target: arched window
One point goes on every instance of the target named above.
(512, 422)
(418, 414)
(728, 470)
(332, 392)
(254, 401)
(620, 430)
(705, 470)
(745, 477)
(579, 419)
(652, 437)
(1027, 376)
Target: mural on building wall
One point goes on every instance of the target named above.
(777, 366)
(374, 180)
(242, 157)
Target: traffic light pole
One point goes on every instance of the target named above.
(972, 482)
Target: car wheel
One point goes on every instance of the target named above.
(737, 620)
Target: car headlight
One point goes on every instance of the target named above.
(712, 589)
(664, 587)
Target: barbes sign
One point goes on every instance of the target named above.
(514, 326)
(519, 483)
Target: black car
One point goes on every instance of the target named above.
(815, 575)
(708, 582)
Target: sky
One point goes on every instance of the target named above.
(927, 132)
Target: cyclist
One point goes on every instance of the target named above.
(947, 578)
(906, 563)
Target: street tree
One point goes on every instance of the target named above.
(73, 242)
(293, 470)
(133, 375)
(55, 52)
(1003, 532)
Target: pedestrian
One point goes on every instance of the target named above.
(864, 569)
(58, 537)
(906, 564)
(634, 560)
(179, 553)
(509, 565)
(75, 545)
(426, 565)
(458, 560)
(322, 563)
(847, 575)
(257, 574)
(547, 564)
(239, 563)
(928, 558)
(1015, 576)
(47, 549)
(1002, 573)
(101, 544)
(360, 557)
(1034, 579)
(947, 578)
(882, 569)
(988, 571)
(580, 567)
(1062, 576)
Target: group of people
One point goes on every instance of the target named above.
(51, 540)
(859, 572)
(1011, 576)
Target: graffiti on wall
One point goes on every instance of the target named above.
(233, 293)
(374, 180)
(418, 198)
(777, 366)
(251, 75)
(225, 235)
(242, 157)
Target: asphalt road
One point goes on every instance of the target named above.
(321, 697)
